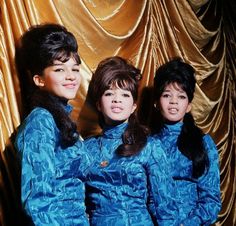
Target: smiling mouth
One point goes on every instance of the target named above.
(70, 86)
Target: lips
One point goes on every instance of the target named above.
(116, 109)
(173, 110)
(70, 85)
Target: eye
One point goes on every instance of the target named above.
(108, 93)
(126, 95)
(182, 97)
(165, 95)
(58, 69)
(75, 69)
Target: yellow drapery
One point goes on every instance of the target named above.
(147, 32)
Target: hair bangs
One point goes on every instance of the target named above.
(64, 56)
(126, 83)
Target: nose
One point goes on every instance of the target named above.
(116, 99)
(70, 75)
(173, 100)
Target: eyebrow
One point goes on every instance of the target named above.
(179, 90)
(59, 64)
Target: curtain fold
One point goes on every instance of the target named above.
(148, 33)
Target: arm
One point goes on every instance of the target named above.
(37, 141)
(209, 203)
(81, 162)
(161, 187)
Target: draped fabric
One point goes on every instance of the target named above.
(148, 33)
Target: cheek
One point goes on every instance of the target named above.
(161, 105)
(189, 107)
(161, 102)
(53, 81)
(79, 79)
(133, 108)
(103, 104)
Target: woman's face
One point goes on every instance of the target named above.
(116, 105)
(174, 103)
(62, 79)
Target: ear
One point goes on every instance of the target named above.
(189, 108)
(155, 105)
(98, 105)
(38, 80)
(134, 108)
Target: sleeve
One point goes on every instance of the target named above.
(209, 203)
(162, 203)
(81, 164)
(37, 141)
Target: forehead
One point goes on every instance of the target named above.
(69, 61)
(174, 86)
(117, 88)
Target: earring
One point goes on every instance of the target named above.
(156, 106)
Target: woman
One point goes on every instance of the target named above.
(53, 158)
(192, 155)
(129, 168)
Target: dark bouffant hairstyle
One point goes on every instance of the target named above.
(118, 72)
(190, 141)
(38, 48)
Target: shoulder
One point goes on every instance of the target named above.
(39, 121)
(208, 141)
(210, 147)
(90, 140)
(209, 144)
(154, 142)
(38, 115)
(38, 131)
(154, 148)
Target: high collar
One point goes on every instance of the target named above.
(172, 129)
(114, 131)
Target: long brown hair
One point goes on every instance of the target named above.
(118, 72)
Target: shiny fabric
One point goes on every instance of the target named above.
(147, 32)
(199, 198)
(117, 187)
(52, 188)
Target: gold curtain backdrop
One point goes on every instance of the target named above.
(148, 33)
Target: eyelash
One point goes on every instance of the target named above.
(167, 95)
(107, 94)
(61, 69)
(58, 70)
(110, 93)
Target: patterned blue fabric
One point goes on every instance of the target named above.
(116, 190)
(199, 198)
(52, 190)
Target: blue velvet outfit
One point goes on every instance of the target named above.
(117, 187)
(52, 188)
(199, 198)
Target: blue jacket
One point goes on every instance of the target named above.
(199, 200)
(52, 188)
(117, 189)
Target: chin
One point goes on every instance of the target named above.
(70, 97)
